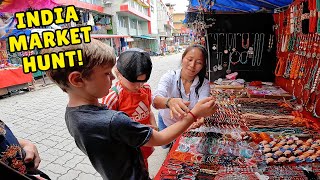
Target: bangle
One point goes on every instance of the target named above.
(167, 103)
(194, 117)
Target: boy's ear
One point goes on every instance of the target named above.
(75, 79)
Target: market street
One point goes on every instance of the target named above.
(39, 117)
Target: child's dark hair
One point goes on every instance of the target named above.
(202, 72)
(133, 63)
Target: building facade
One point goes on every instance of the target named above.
(123, 24)
(165, 27)
(181, 32)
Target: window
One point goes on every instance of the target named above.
(123, 22)
(131, 4)
(133, 24)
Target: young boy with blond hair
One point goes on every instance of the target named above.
(110, 138)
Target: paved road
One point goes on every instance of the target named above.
(39, 117)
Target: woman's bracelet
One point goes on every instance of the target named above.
(167, 102)
(194, 117)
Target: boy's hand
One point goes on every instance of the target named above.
(205, 107)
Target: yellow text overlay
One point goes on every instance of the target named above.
(49, 39)
(45, 62)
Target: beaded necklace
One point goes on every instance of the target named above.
(301, 70)
(311, 79)
(241, 55)
(270, 44)
(295, 67)
(259, 42)
(288, 67)
(316, 81)
(232, 62)
(280, 68)
(318, 9)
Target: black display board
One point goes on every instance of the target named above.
(233, 30)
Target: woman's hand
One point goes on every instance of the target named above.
(32, 154)
(178, 107)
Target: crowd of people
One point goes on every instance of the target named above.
(118, 135)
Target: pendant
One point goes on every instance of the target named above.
(228, 71)
(226, 51)
(220, 67)
(314, 55)
(214, 47)
(215, 68)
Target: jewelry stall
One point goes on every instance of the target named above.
(264, 69)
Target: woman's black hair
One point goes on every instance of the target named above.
(202, 72)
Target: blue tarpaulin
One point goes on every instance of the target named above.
(249, 6)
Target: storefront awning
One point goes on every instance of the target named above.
(129, 39)
(247, 6)
(144, 37)
(108, 36)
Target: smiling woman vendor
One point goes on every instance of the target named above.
(178, 91)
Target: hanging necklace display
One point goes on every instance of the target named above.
(226, 48)
(315, 46)
(256, 49)
(250, 50)
(215, 49)
(230, 41)
(309, 46)
(234, 42)
(245, 46)
(215, 67)
(278, 33)
(232, 62)
(261, 47)
(270, 44)
(230, 57)
(220, 54)
(215, 45)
